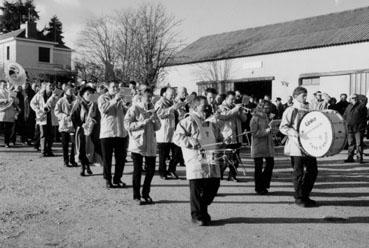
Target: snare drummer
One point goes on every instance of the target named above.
(305, 168)
(192, 133)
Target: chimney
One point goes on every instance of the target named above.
(30, 29)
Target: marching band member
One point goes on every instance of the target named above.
(305, 168)
(43, 103)
(165, 110)
(204, 179)
(7, 111)
(232, 116)
(113, 135)
(63, 109)
(262, 147)
(142, 123)
(84, 117)
(177, 156)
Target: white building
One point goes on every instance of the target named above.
(329, 53)
(41, 59)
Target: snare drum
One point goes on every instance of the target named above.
(322, 133)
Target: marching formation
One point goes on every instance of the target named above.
(204, 133)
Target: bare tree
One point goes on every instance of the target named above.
(215, 71)
(97, 42)
(147, 41)
(89, 71)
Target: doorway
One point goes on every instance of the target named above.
(258, 89)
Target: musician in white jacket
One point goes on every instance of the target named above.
(141, 123)
(191, 135)
(7, 111)
(43, 103)
(305, 168)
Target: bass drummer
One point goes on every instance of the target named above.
(191, 134)
(305, 168)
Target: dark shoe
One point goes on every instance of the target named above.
(50, 154)
(138, 202)
(148, 200)
(173, 175)
(349, 160)
(262, 192)
(88, 170)
(119, 184)
(233, 178)
(305, 203)
(310, 202)
(109, 185)
(82, 173)
(197, 222)
(74, 164)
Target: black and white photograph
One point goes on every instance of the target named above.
(184, 124)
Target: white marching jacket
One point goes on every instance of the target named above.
(167, 120)
(38, 105)
(191, 131)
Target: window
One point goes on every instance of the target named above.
(44, 54)
(8, 52)
(310, 81)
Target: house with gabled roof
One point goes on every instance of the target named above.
(42, 60)
(328, 53)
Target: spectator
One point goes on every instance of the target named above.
(29, 114)
(211, 94)
(355, 117)
(279, 107)
(238, 99)
(342, 104)
(289, 102)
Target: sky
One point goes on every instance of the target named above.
(199, 17)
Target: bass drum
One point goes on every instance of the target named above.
(322, 133)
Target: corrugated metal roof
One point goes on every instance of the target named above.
(327, 30)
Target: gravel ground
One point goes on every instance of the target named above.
(43, 204)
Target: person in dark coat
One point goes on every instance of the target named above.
(342, 104)
(355, 117)
(29, 114)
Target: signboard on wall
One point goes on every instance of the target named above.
(253, 65)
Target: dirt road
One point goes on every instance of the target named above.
(43, 204)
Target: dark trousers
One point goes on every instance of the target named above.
(234, 159)
(36, 139)
(355, 140)
(29, 129)
(137, 171)
(305, 172)
(202, 193)
(47, 137)
(177, 158)
(117, 145)
(263, 176)
(66, 139)
(7, 130)
(164, 150)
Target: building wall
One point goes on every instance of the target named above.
(63, 57)
(286, 68)
(27, 54)
(3, 48)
